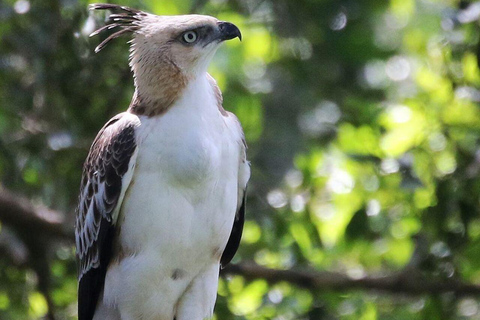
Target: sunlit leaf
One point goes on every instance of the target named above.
(38, 304)
(250, 298)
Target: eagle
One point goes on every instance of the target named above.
(162, 198)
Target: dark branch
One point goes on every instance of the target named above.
(407, 283)
(20, 214)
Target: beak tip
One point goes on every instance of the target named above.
(229, 31)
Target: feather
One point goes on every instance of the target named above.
(105, 27)
(123, 16)
(128, 20)
(235, 235)
(98, 202)
(110, 37)
(108, 6)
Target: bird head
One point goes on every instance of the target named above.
(187, 42)
(166, 53)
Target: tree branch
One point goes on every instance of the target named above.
(411, 283)
(19, 213)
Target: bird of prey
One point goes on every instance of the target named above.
(162, 198)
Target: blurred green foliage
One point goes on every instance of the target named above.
(362, 119)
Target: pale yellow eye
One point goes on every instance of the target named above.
(190, 36)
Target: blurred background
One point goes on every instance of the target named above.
(363, 125)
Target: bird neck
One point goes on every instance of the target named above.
(201, 95)
(158, 83)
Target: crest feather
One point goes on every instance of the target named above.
(125, 18)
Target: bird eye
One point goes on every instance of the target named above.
(190, 36)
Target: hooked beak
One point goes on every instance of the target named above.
(228, 31)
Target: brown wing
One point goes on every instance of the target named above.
(106, 174)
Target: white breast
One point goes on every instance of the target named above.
(179, 209)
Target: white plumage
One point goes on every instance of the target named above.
(177, 214)
(174, 178)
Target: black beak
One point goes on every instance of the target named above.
(228, 31)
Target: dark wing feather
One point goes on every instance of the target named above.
(103, 185)
(237, 228)
(235, 235)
